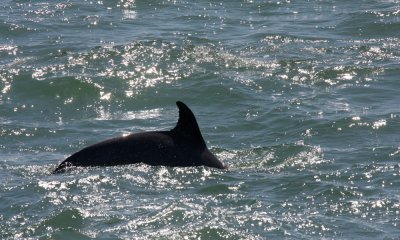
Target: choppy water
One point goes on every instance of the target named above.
(299, 98)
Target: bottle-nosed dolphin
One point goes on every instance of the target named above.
(182, 146)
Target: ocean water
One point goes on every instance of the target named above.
(300, 98)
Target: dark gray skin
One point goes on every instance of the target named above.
(182, 146)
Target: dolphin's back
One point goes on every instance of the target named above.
(182, 146)
(152, 148)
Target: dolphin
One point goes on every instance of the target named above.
(182, 146)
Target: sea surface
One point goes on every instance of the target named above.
(300, 98)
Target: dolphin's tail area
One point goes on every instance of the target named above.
(61, 168)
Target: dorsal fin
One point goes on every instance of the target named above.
(187, 125)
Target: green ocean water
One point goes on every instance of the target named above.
(299, 98)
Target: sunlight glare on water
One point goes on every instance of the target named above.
(298, 98)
